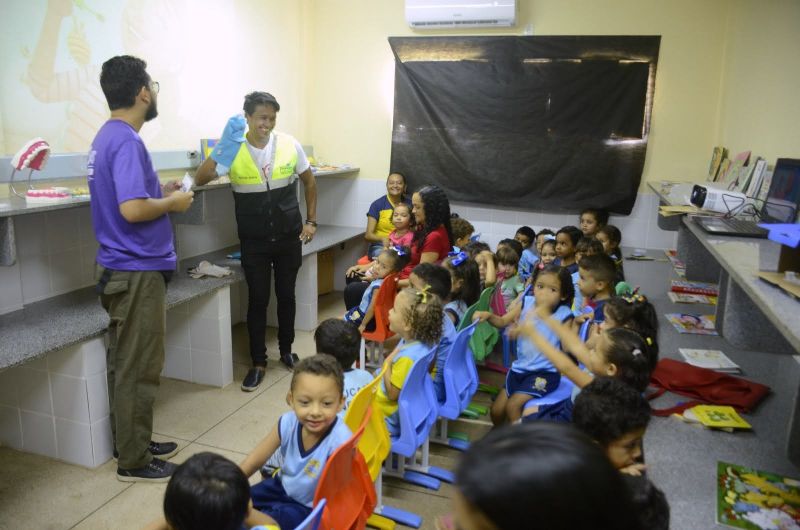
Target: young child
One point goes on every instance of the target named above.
(611, 238)
(618, 352)
(483, 256)
(543, 235)
(389, 261)
(547, 253)
(437, 280)
(466, 285)
(566, 241)
(527, 261)
(649, 503)
(209, 491)
(403, 220)
(596, 282)
(306, 436)
(513, 244)
(614, 415)
(592, 220)
(538, 476)
(511, 285)
(532, 374)
(416, 318)
(462, 231)
(342, 340)
(588, 246)
(637, 313)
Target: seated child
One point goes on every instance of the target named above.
(611, 238)
(209, 491)
(511, 285)
(466, 285)
(403, 220)
(614, 415)
(649, 503)
(513, 244)
(596, 284)
(547, 473)
(462, 231)
(437, 279)
(588, 246)
(592, 220)
(566, 241)
(543, 235)
(526, 237)
(618, 352)
(547, 253)
(416, 318)
(637, 313)
(389, 261)
(306, 436)
(532, 374)
(342, 340)
(484, 257)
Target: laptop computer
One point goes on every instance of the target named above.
(781, 205)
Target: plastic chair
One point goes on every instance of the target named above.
(485, 336)
(461, 383)
(374, 445)
(373, 340)
(346, 485)
(314, 519)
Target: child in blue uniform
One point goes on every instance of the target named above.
(596, 283)
(527, 261)
(391, 260)
(465, 284)
(342, 340)
(532, 374)
(417, 319)
(305, 436)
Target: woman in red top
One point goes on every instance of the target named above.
(432, 241)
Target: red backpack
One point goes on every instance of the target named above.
(704, 386)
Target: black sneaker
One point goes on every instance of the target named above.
(162, 449)
(253, 378)
(156, 471)
(289, 360)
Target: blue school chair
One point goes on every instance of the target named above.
(314, 519)
(460, 382)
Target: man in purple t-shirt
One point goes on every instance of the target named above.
(134, 261)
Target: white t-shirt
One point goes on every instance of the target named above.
(263, 157)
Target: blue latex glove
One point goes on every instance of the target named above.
(229, 143)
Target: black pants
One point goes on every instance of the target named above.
(259, 259)
(353, 292)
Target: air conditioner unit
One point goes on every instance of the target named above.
(431, 14)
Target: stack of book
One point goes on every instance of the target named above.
(744, 173)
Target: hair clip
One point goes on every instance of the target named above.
(549, 237)
(422, 294)
(636, 352)
(649, 341)
(399, 250)
(634, 297)
(457, 258)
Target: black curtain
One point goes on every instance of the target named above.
(545, 123)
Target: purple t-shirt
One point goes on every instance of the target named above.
(119, 170)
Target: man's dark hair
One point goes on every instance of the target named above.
(437, 277)
(121, 78)
(512, 243)
(339, 338)
(207, 492)
(607, 409)
(254, 99)
(320, 364)
(601, 267)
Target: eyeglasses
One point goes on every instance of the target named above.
(154, 87)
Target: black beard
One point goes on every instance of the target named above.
(152, 111)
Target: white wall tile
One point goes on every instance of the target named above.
(31, 235)
(63, 232)
(69, 361)
(10, 427)
(94, 352)
(39, 434)
(74, 442)
(34, 390)
(85, 228)
(35, 275)
(97, 392)
(207, 369)
(102, 444)
(177, 328)
(9, 381)
(177, 363)
(10, 289)
(204, 333)
(87, 264)
(66, 271)
(70, 397)
(503, 215)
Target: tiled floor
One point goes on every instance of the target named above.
(39, 492)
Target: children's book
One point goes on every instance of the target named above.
(745, 175)
(731, 178)
(687, 298)
(716, 417)
(692, 324)
(684, 286)
(757, 178)
(766, 182)
(711, 359)
(723, 170)
(756, 500)
(717, 155)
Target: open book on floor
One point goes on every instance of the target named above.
(711, 359)
(754, 499)
(692, 324)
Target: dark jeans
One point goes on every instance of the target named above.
(259, 259)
